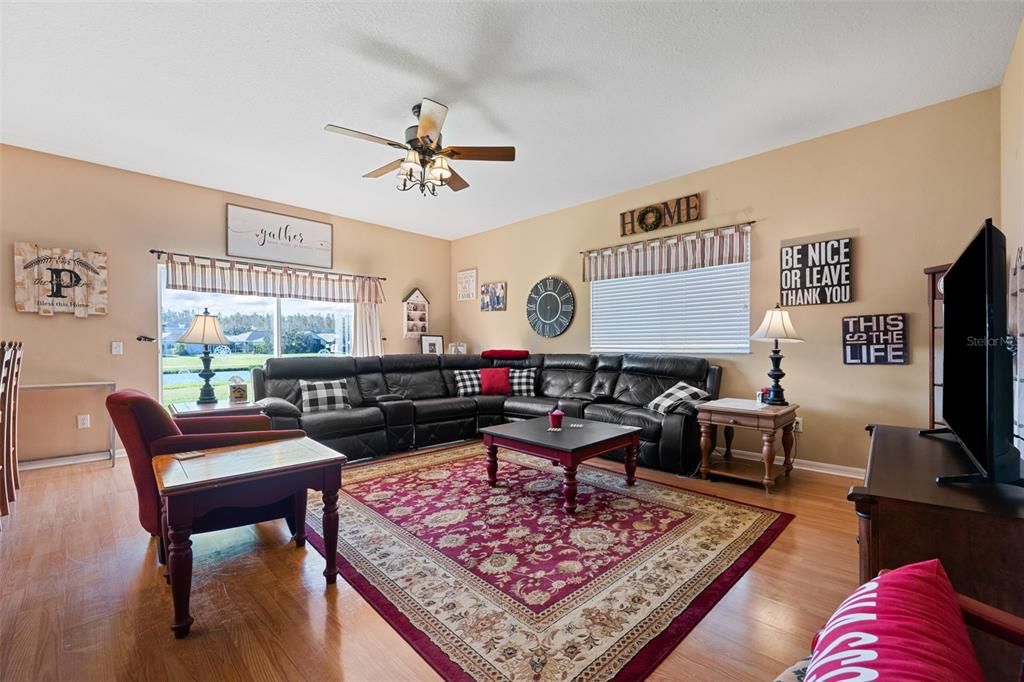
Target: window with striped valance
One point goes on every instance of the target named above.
(666, 255)
(212, 275)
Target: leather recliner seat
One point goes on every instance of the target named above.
(402, 402)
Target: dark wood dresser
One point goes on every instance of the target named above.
(977, 531)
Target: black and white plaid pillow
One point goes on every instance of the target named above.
(676, 396)
(467, 382)
(320, 396)
(522, 380)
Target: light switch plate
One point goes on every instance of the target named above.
(84, 421)
(117, 347)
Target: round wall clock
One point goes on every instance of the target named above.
(550, 306)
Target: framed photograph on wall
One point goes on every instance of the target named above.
(465, 285)
(431, 344)
(492, 297)
(280, 238)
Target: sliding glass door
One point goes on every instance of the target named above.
(256, 328)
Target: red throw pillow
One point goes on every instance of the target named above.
(505, 354)
(903, 625)
(494, 381)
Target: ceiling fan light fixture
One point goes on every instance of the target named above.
(439, 170)
(425, 166)
(412, 162)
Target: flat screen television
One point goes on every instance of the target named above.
(977, 369)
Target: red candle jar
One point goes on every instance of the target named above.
(555, 417)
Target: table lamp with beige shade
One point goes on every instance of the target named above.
(778, 328)
(205, 330)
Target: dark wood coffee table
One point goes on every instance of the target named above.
(567, 447)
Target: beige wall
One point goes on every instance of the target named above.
(1012, 136)
(910, 189)
(57, 201)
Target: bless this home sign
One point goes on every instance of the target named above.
(54, 280)
(816, 273)
(280, 238)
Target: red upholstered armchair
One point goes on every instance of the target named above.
(146, 430)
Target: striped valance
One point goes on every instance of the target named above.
(707, 248)
(213, 275)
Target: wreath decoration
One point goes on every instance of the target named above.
(649, 218)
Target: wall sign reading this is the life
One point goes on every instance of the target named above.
(817, 273)
(875, 339)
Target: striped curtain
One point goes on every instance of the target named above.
(1016, 325)
(211, 275)
(704, 249)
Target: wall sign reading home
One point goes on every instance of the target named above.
(48, 281)
(875, 339)
(817, 273)
(280, 238)
(666, 214)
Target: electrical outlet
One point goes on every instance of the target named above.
(117, 347)
(798, 425)
(84, 421)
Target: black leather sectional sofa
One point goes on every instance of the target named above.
(402, 402)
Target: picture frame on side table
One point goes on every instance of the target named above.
(457, 348)
(432, 344)
(465, 285)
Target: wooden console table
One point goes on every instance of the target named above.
(732, 413)
(195, 483)
(977, 531)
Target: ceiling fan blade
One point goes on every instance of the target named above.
(331, 128)
(480, 153)
(385, 169)
(455, 181)
(432, 115)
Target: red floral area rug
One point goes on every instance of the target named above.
(500, 584)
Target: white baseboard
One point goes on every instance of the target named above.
(807, 465)
(101, 456)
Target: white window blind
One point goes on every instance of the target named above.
(696, 312)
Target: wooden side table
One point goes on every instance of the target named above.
(221, 408)
(192, 484)
(732, 413)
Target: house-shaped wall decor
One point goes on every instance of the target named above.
(415, 314)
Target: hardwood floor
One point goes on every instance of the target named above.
(82, 596)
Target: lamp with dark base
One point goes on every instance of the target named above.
(776, 327)
(206, 331)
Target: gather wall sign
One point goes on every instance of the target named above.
(265, 235)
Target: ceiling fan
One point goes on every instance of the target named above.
(426, 163)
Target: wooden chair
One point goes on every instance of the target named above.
(13, 477)
(147, 430)
(6, 359)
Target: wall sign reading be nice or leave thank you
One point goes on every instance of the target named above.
(875, 339)
(817, 273)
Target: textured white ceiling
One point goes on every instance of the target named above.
(597, 98)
